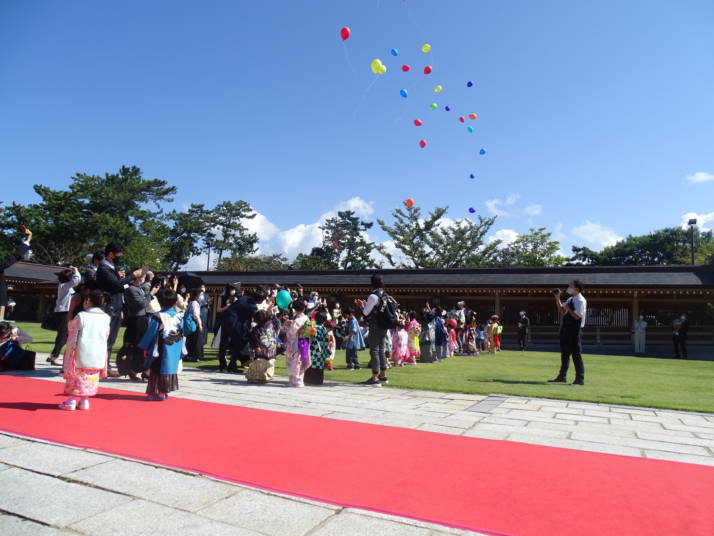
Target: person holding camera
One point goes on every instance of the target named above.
(68, 279)
(574, 310)
(20, 251)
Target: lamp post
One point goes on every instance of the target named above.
(692, 222)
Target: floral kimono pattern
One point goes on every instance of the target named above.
(413, 334)
(400, 347)
(80, 381)
(294, 361)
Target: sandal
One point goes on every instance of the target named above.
(68, 405)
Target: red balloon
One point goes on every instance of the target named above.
(345, 33)
(409, 202)
(422, 143)
(427, 69)
(405, 68)
(462, 119)
(418, 122)
(473, 116)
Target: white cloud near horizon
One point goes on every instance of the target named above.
(533, 210)
(595, 234)
(497, 207)
(705, 222)
(700, 176)
(506, 236)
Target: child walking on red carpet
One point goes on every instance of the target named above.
(85, 358)
(297, 354)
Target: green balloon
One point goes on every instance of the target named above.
(433, 106)
(283, 299)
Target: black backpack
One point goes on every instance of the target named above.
(386, 312)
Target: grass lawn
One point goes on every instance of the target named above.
(659, 383)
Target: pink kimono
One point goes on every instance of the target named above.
(413, 333)
(82, 370)
(294, 357)
(400, 347)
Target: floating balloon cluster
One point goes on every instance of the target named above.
(379, 68)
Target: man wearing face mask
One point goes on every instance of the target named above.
(204, 302)
(112, 280)
(573, 310)
(639, 330)
(679, 336)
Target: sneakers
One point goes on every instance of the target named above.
(83, 404)
(579, 382)
(383, 379)
(375, 383)
(559, 379)
(68, 405)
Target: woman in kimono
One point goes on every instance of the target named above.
(263, 344)
(400, 344)
(163, 344)
(319, 351)
(297, 354)
(85, 359)
(413, 332)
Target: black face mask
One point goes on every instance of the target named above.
(118, 262)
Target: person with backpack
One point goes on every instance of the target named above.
(381, 312)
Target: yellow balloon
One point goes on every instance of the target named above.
(438, 89)
(426, 47)
(378, 67)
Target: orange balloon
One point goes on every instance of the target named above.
(473, 116)
(409, 202)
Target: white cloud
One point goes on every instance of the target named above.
(705, 222)
(533, 210)
(290, 242)
(497, 207)
(700, 176)
(506, 236)
(595, 234)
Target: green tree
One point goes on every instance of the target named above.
(317, 259)
(433, 242)
(94, 210)
(187, 234)
(666, 246)
(231, 234)
(254, 263)
(344, 239)
(534, 248)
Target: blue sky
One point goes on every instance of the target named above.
(594, 114)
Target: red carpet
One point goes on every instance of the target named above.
(496, 487)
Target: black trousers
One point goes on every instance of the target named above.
(680, 346)
(522, 335)
(571, 346)
(194, 346)
(61, 338)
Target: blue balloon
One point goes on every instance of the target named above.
(394, 52)
(472, 176)
(470, 129)
(472, 210)
(469, 84)
(447, 108)
(482, 151)
(404, 93)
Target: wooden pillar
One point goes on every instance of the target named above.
(635, 314)
(497, 304)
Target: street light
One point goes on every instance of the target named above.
(692, 222)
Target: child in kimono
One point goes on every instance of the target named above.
(400, 345)
(296, 360)
(263, 343)
(453, 342)
(354, 341)
(85, 359)
(163, 343)
(319, 351)
(413, 328)
(332, 344)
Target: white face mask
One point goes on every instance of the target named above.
(203, 289)
(233, 292)
(182, 290)
(570, 291)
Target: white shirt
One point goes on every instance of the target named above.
(65, 291)
(580, 307)
(372, 302)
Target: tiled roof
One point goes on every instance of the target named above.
(37, 273)
(635, 276)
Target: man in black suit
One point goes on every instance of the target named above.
(20, 251)
(112, 280)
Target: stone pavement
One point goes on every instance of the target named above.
(129, 497)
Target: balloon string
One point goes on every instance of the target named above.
(364, 95)
(349, 61)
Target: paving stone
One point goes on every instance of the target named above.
(637, 425)
(435, 529)
(594, 447)
(534, 435)
(579, 418)
(639, 443)
(171, 488)
(673, 437)
(48, 458)
(632, 411)
(682, 458)
(9, 441)
(143, 518)
(16, 526)
(441, 429)
(51, 500)
(683, 428)
(269, 514)
(351, 524)
(504, 421)
(482, 433)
